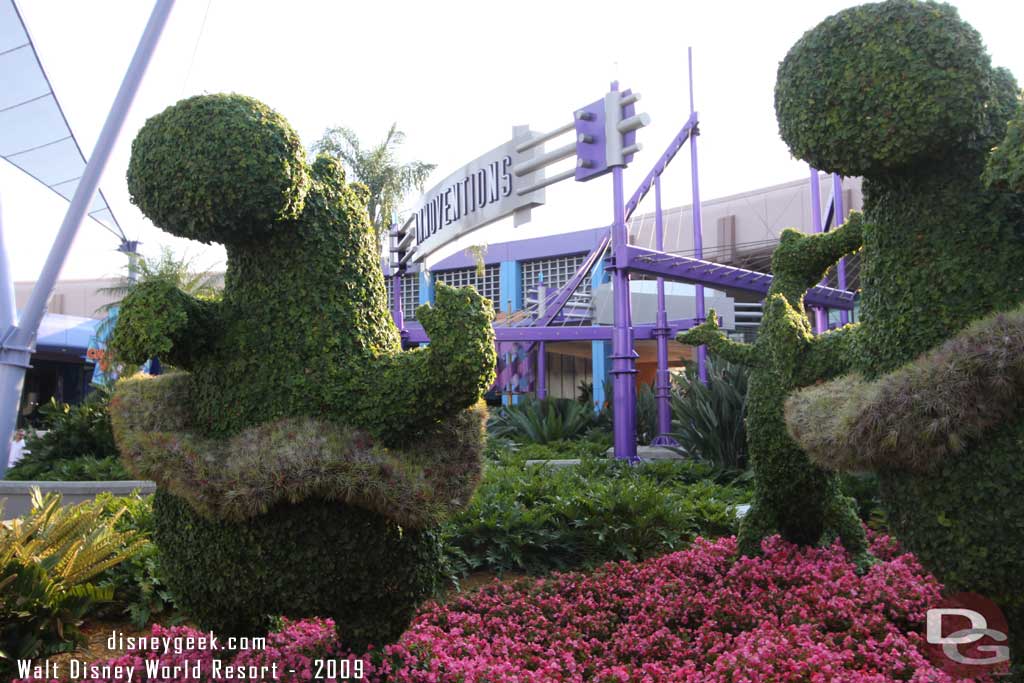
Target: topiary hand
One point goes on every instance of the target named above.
(710, 334)
(158, 319)
(461, 336)
(702, 334)
(415, 389)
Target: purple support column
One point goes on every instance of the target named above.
(662, 384)
(820, 316)
(542, 370)
(698, 240)
(623, 356)
(839, 211)
(396, 310)
(542, 351)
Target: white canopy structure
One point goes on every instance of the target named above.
(37, 139)
(34, 133)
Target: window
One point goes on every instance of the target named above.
(557, 271)
(488, 286)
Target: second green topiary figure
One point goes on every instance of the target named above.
(904, 94)
(302, 458)
(792, 496)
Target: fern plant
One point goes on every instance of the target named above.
(46, 561)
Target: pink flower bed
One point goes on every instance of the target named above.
(697, 615)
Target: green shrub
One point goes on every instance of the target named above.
(78, 446)
(1005, 166)
(784, 357)
(310, 559)
(709, 420)
(594, 445)
(541, 421)
(47, 559)
(297, 389)
(537, 518)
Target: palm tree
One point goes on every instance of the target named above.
(378, 169)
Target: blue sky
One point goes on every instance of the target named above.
(456, 76)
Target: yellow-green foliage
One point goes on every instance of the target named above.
(1005, 169)
(293, 459)
(46, 561)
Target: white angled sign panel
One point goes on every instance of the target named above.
(481, 192)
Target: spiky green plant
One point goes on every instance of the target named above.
(709, 420)
(541, 421)
(47, 558)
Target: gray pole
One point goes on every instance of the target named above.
(20, 338)
(8, 309)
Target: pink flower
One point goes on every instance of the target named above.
(701, 615)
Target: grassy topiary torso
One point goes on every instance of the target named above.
(295, 406)
(903, 93)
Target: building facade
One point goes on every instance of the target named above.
(516, 275)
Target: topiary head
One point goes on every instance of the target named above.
(218, 168)
(881, 87)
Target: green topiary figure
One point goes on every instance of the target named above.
(298, 434)
(904, 94)
(793, 497)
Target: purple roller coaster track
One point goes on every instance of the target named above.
(548, 324)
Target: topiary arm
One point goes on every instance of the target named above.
(158, 319)
(404, 393)
(800, 260)
(829, 354)
(709, 334)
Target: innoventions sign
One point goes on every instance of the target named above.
(481, 192)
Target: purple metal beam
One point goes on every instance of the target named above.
(687, 269)
(623, 354)
(698, 239)
(417, 335)
(820, 314)
(659, 167)
(542, 370)
(838, 218)
(396, 311)
(662, 381)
